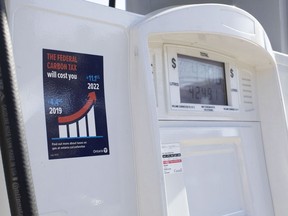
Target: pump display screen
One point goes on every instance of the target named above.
(201, 81)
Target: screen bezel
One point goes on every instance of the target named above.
(173, 86)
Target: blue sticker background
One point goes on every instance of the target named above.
(74, 104)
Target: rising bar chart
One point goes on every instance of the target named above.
(79, 124)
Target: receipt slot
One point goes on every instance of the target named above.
(207, 113)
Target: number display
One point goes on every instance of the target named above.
(201, 81)
(55, 110)
(93, 86)
(198, 92)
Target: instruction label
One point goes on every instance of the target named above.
(74, 104)
(171, 158)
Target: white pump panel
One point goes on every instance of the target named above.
(71, 47)
(216, 154)
(282, 63)
(216, 160)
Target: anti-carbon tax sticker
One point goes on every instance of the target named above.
(74, 104)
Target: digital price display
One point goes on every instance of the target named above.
(201, 81)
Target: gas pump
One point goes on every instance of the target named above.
(164, 114)
(282, 64)
(278, 165)
(219, 118)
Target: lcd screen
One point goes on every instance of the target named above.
(201, 81)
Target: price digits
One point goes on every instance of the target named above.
(198, 92)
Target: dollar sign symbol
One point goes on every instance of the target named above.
(173, 63)
(231, 73)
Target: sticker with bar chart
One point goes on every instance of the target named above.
(74, 104)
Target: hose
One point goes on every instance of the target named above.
(12, 137)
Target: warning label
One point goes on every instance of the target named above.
(74, 104)
(171, 158)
